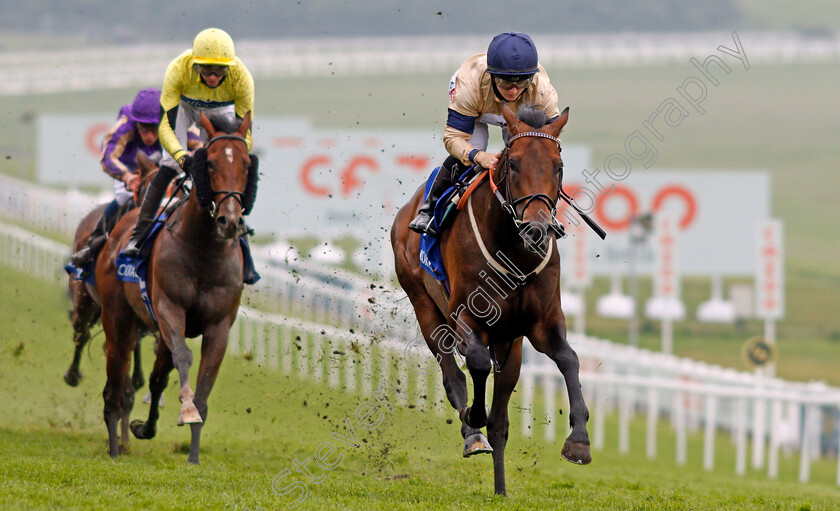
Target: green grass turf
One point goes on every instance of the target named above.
(53, 449)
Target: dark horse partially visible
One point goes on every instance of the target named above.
(86, 311)
(195, 283)
(505, 284)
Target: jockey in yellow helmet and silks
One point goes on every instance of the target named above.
(207, 79)
(509, 73)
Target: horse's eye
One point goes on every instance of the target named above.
(559, 169)
(512, 165)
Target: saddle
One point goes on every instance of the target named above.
(446, 209)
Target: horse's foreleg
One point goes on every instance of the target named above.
(479, 364)
(158, 380)
(171, 319)
(442, 341)
(498, 423)
(213, 346)
(552, 341)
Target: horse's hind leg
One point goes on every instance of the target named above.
(158, 379)
(498, 423)
(118, 354)
(213, 345)
(83, 316)
(137, 374)
(126, 406)
(81, 336)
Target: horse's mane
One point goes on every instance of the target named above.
(224, 125)
(532, 116)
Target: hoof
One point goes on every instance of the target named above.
(148, 399)
(189, 415)
(476, 444)
(577, 452)
(73, 378)
(138, 381)
(140, 431)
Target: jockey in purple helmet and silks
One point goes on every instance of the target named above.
(509, 73)
(136, 132)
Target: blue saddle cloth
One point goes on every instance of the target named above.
(430, 256)
(85, 274)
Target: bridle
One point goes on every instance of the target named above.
(226, 194)
(510, 203)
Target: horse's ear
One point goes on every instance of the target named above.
(246, 124)
(146, 166)
(208, 126)
(513, 124)
(555, 127)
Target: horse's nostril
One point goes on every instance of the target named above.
(534, 235)
(222, 221)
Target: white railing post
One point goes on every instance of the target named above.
(710, 431)
(805, 448)
(624, 410)
(759, 432)
(259, 337)
(549, 394)
(349, 368)
(598, 432)
(333, 369)
(527, 403)
(286, 349)
(680, 427)
(303, 353)
(773, 449)
(741, 436)
(273, 337)
(652, 421)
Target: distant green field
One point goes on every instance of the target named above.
(53, 445)
(779, 118)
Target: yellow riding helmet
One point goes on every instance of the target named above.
(214, 47)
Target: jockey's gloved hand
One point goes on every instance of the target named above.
(185, 162)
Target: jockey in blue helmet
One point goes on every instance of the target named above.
(508, 74)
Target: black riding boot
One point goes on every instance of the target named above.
(423, 223)
(151, 202)
(97, 238)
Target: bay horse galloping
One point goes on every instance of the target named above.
(194, 279)
(86, 310)
(504, 278)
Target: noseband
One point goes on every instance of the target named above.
(509, 203)
(226, 194)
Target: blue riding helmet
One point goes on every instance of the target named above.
(146, 107)
(512, 54)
